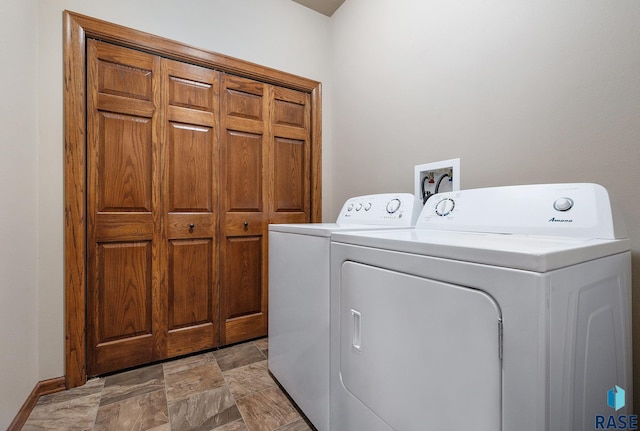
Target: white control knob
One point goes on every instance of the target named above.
(350, 207)
(563, 204)
(358, 207)
(367, 207)
(393, 205)
(444, 207)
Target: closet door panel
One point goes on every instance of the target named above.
(190, 198)
(124, 172)
(122, 208)
(244, 303)
(244, 172)
(124, 72)
(291, 184)
(244, 275)
(197, 92)
(244, 163)
(125, 295)
(123, 304)
(190, 268)
(243, 98)
(291, 167)
(190, 165)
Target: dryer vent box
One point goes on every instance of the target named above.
(437, 177)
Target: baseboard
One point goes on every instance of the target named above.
(44, 387)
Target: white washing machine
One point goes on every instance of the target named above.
(504, 309)
(299, 295)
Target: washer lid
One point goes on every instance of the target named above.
(320, 229)
(527, 252)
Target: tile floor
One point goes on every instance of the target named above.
(224, 390)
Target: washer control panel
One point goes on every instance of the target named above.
(392, 209)
(576, 210)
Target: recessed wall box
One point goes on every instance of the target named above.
(436, 177)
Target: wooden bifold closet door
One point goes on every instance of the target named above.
(266, 179)
(186, 167)
(152, 205)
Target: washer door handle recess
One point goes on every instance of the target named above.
(356, 342)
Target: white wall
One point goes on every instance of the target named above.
(521, 91)
(18, 207)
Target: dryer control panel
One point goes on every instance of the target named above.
(389, 209)
(576, 210)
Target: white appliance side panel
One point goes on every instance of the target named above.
(417, 353)
(299, 321)
(590, 340)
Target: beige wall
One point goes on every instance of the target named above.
(18, 206)
(522, 91)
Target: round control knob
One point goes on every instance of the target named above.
(444, 207)
(350, 207)
(358, 207)
(367, 207)
(393, 205)
(563, 204)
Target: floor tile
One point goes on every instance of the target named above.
(71, 410)
(263, 345)
(238, 356)
(140, 413)
(187, 362)
(267, 410)
(204, 411)
(189, 377)
(225, 390)
(92, 387)
(132, 383)
(251, 378)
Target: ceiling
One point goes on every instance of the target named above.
(325, 7)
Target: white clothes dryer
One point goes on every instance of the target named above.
(299, 276)
(504, 309)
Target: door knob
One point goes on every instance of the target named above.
(191, 227)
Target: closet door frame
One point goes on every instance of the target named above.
(77, 28)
